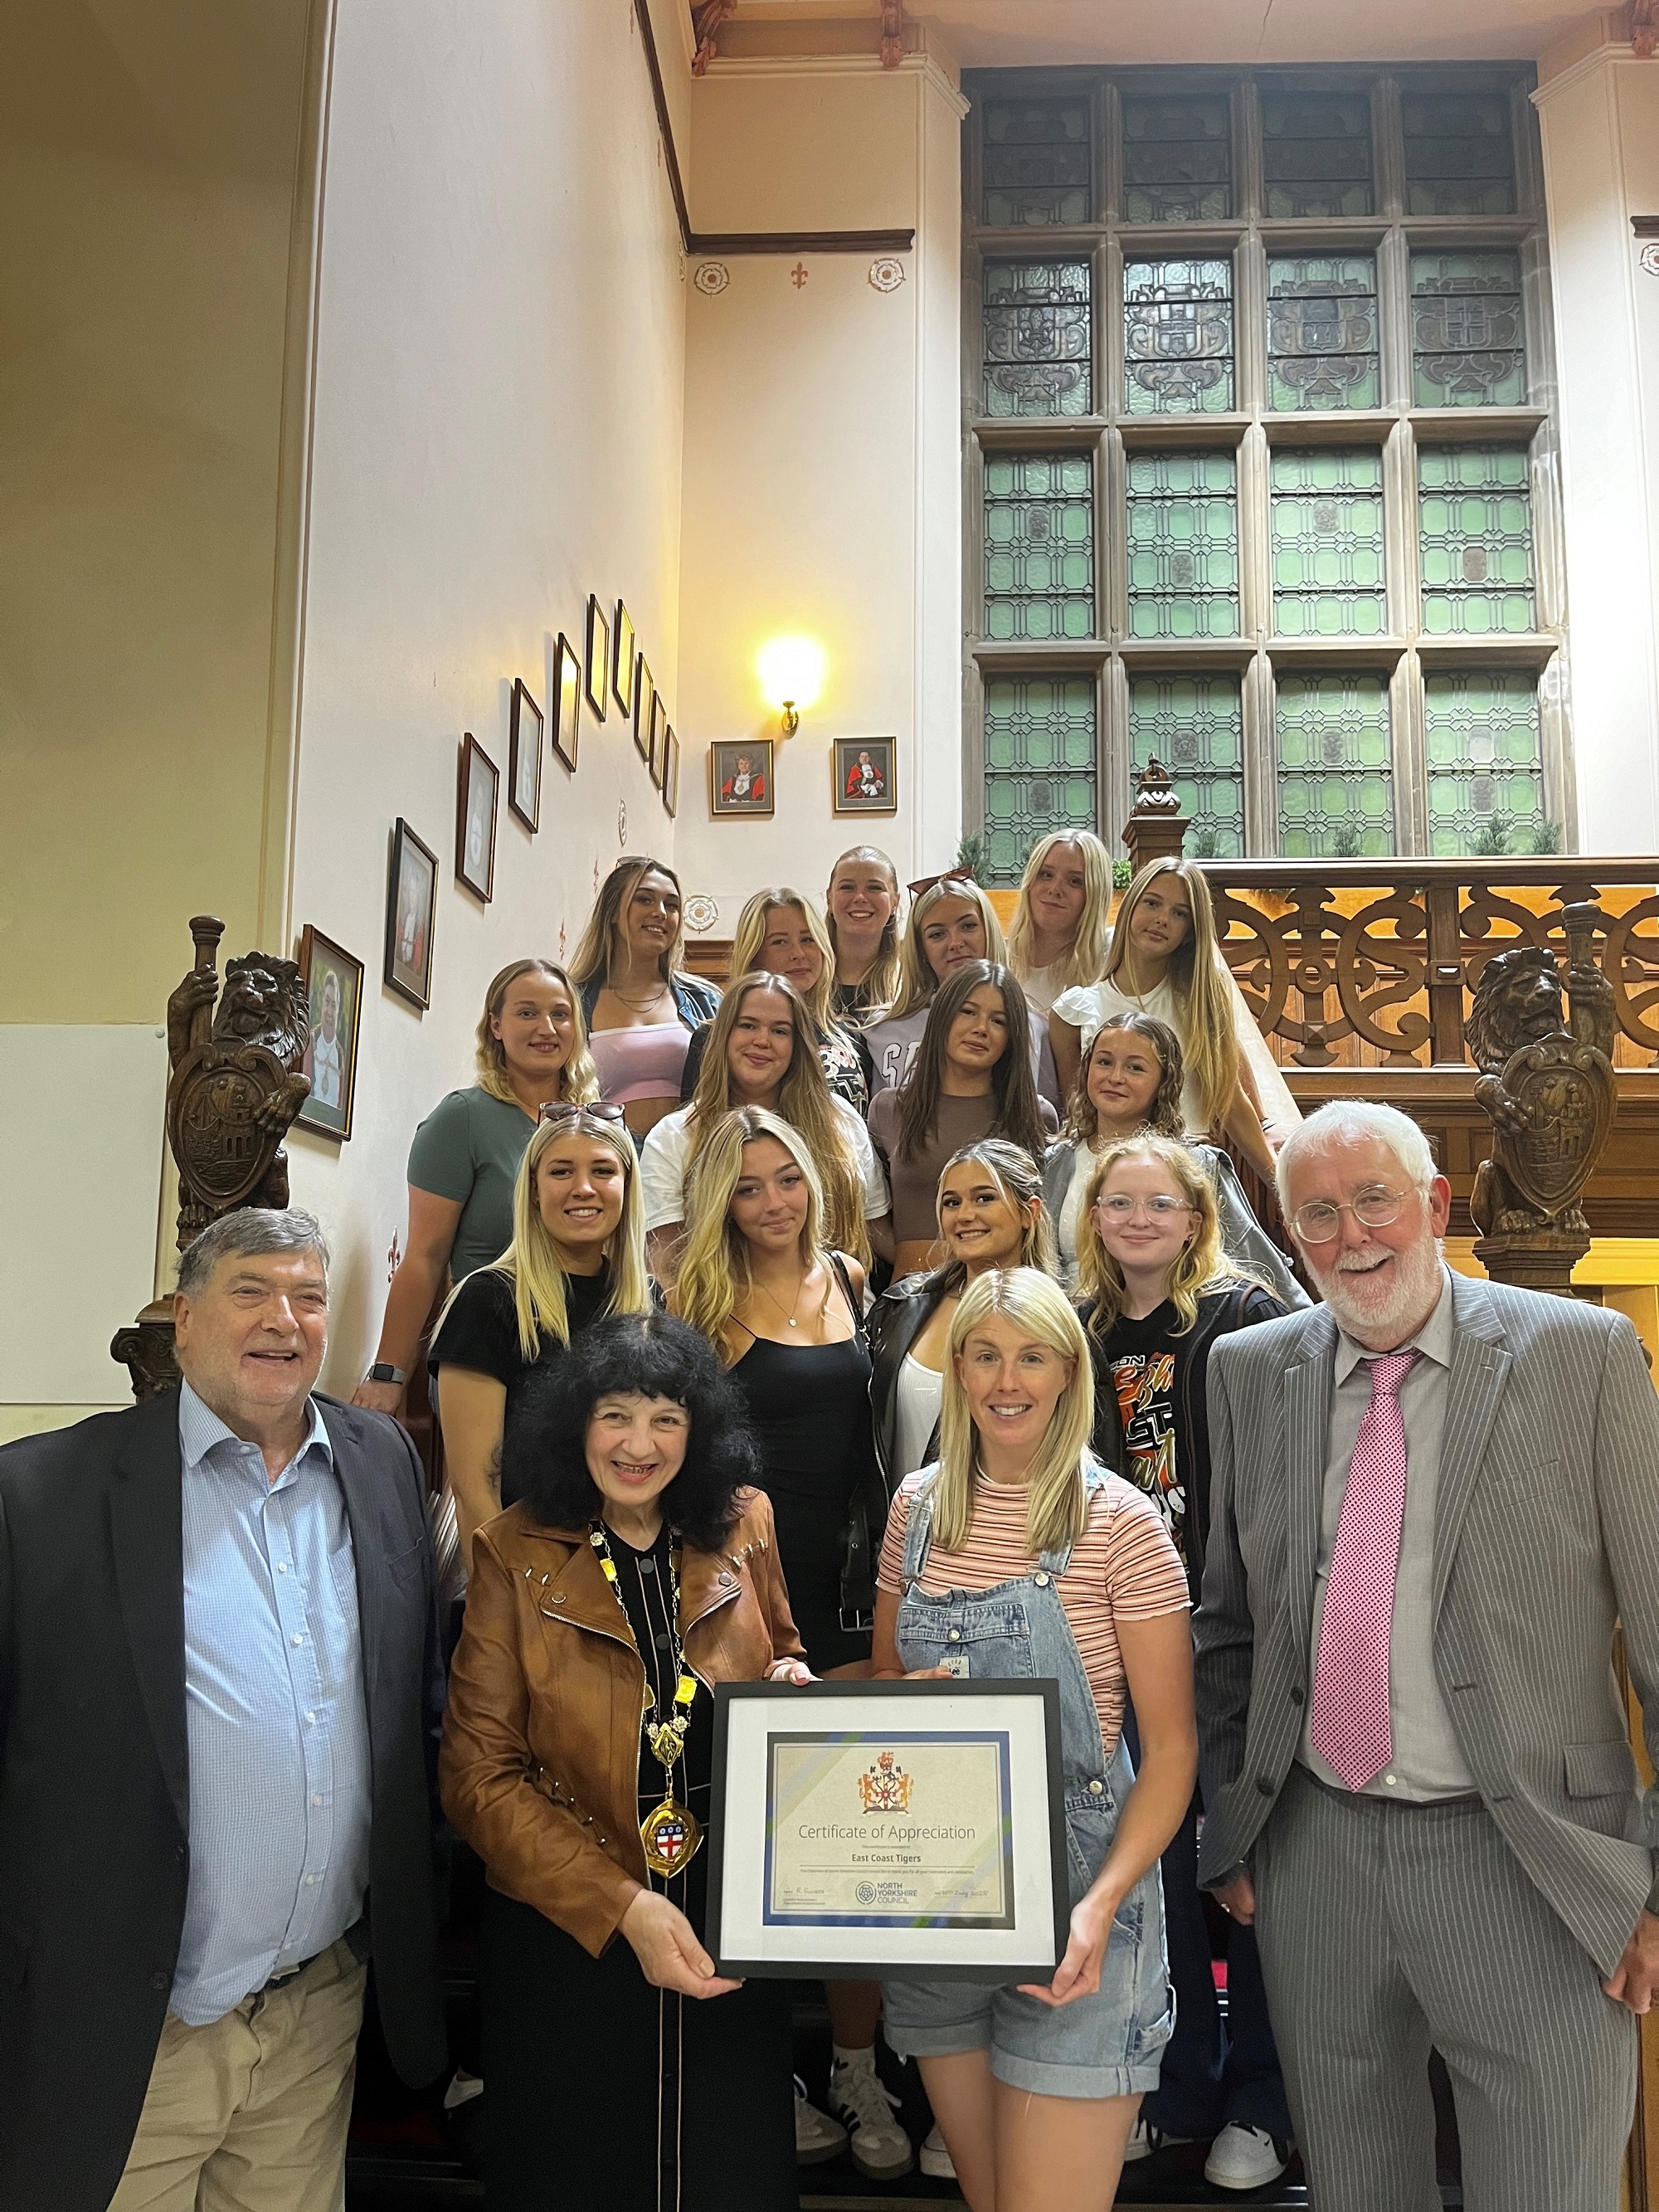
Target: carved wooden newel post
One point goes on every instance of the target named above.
(1156, 827)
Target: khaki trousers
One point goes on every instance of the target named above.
(249, 2114)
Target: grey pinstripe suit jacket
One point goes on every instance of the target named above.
(1546, 1533)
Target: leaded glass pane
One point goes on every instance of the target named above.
(1195, 727)
(1183, 544)
(1039, 545)
(1035, 157)
(1316, 153)
(1467, 335)
(1335, 766)
(1485, 759)
(1458, 158)
(1039, 764)
(1037, 337)
(1178, 337)
(1321, 331)
(1475, 513)
(1178, 158)
(1329, 576)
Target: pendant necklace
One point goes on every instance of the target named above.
(671, 1831)
(777, 1303)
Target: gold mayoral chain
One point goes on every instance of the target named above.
(671, 1832)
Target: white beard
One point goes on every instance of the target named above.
(1380, 1321)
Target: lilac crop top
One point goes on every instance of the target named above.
(639, 1063)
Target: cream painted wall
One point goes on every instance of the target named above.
(1599, 118)
(823, 466)
(499, 387)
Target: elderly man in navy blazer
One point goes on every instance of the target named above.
(220, 1686)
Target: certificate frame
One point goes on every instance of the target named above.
(779, 1750)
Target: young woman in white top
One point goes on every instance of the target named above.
(861, 911)
(1063, 927)
(762, 1051)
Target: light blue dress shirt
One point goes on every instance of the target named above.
(280, 1784)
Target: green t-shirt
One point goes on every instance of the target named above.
(468, 1149)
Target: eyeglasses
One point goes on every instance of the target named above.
(1116, 1207)
(949, 876)
(565, 1110)
(1317, 1222)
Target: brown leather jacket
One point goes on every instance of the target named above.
(541, 1750)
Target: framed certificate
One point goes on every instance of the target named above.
(860, 1829)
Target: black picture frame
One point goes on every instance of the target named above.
(645, 697)
(726, 759)
(658, 730)
(671, 771)
(596, 658)
(331, 1063)
(864, 776)
(478, 784)
(411, 915)
(524, 773)
(566, 703)
(623, 647)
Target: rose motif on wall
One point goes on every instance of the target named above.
(712, 277)
(701, 913)
(1650, 257)
(886, 273)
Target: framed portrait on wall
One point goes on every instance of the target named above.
(334, 991)
(524, 773)
(740, 778)
(596, 665)
(645, 699)
(474, 819)
(671, 772)
(410, 909)
(566, 701)
(623, 646)
(866, 776)
(659, 732)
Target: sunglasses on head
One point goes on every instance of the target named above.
(949, 876)
(565, 1111)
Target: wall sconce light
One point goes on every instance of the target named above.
(792, 670)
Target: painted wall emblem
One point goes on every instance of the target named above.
(712, 278)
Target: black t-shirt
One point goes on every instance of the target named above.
(480, 1331)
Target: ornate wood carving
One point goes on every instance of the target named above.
(706, 21)
(1644, 27)
(1157, 825)
(892, 32)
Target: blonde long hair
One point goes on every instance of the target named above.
(805, 1102)
(1201, 1267)
(1056, 1506)
(917, 982)
(601, 941)
(882, 978)
(1201, 988)
(751, 936)
(715, 1277)
(531, 1262)
(579, 1081)
(1016, 1175)
(1085, 962)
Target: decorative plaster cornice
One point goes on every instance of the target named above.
(761, 66)
(1602, 57)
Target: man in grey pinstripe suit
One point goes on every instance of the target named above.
(1425, 1798)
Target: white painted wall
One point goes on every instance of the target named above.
(1599, 118)
(500, 375)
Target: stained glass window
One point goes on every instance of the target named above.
(1039, 764)
(1316, 153)
(1178, 337)
(1458, 156)
(1036, 159)
(1194, 726)
(1475, 514)
(1329, 573)
(1321, 331)
(1468, 336)
(1336, 771)
(1183, 544)
(1039, 545)
(1037, 337)
(1485, 759)
(1178, 158)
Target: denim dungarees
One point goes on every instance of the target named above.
(1106, 2045)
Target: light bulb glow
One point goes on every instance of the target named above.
(792, 671)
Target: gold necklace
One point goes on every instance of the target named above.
(671, 1831)
(641, 1006)
(799, 1288)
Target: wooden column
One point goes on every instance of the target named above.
(1156, 827)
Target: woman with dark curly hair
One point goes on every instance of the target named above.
(637, 1570)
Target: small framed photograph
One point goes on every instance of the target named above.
(865, 774)
(868, 1830)
(623, 646)
(671, 772)
(334, 991)
(474, 819)
(644, 700)
(411, 907)
(740, 777)
(596, 664)
(566, 701)
(659, 733)
(524, 773)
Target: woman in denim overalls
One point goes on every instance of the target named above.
(1036, 2088)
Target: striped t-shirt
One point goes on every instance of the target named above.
(1123, 1564)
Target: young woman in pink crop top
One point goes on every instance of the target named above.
(640, 1009)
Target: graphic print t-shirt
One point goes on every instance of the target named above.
(1144, 1381)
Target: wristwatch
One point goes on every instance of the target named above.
(383, 1372)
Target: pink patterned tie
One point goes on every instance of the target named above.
(1349, 1723)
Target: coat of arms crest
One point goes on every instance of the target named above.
(885, 1787)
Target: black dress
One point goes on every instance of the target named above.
(605, 2094)
(809, 1407)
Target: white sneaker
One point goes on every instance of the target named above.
(881, 2149)
(934, 2160)
(1146, 2137)
(1244, 2158)
(817, 2137)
